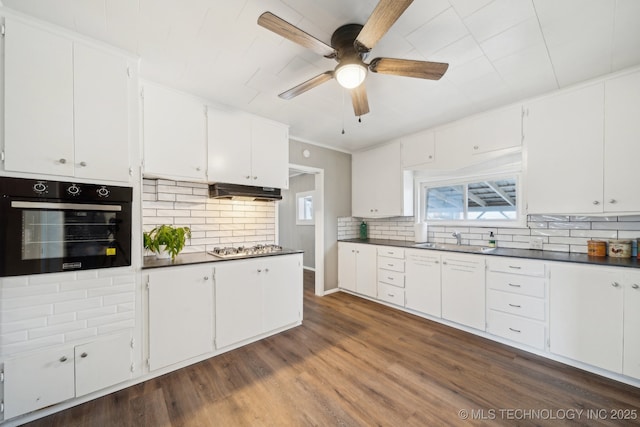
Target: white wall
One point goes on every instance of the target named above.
(292, 235)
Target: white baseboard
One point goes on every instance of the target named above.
(309, 268)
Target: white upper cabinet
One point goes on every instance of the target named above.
(175, 139)
(418, 149)
(564, 140)
(246, 149)
(66, 106)
(380, 188)
(101, 114)
(622, 143)
(38, 101)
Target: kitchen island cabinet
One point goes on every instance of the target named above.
(180, 314)
(258, 296)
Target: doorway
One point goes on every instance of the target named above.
(301, 218)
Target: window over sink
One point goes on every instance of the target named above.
(488, 200)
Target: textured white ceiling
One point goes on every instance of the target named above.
(499, 51)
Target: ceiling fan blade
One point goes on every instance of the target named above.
(279, 26)
(359, 100)
(382, 18)
(409, 68)
(309, 84)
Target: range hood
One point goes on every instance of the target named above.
(221, 190)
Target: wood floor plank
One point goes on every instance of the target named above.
(357, 363)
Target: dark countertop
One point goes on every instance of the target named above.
(518, 253)
(203, 257)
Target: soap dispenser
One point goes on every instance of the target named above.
(363, 230)
(492, 240)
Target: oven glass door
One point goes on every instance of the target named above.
(58, 236)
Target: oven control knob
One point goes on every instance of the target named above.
(40, 188)
(73, 190)
(103, 191)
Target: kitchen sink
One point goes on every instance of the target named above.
(454, 247)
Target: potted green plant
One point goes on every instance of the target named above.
(165, 240)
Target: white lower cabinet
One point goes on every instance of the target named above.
(516, 300)
(631, 356)
(256, 296)
(463, 290)
(391, 267)
(586, 314)
(422, 281)
(180, 314)
(44, 378)
(357, 268)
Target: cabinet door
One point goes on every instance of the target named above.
(180, 314)
(269, 153)
(363, 184)
(101, 114)
(347, 266)
(422, 282)
(585, 319)
(282, 283)
(175, 144)
(463, 290)
(631, 365)
(229, 140)
(495, 130)
(37, 381)
(239, 300)
(564, 138)
(366, 270)
(418, 149)
(38, 90)
(621, 147)
(102, 363)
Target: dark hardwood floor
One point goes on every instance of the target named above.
(357, 363)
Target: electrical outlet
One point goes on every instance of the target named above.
(536, 243)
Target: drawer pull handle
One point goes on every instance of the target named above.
(390, 278)
(514, 305)
(515, 267)
(391, 253)
(635, 286)
(391, 295)
(515, 330)
(514, 286)
(390, 265)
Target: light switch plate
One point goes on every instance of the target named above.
(536, 243)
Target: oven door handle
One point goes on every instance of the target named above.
(71, 206)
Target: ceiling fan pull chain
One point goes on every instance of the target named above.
(359, 119)
(343, 112)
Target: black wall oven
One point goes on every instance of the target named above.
(52, 226)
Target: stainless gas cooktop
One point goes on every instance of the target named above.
(242, 251)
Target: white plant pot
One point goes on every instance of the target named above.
(163, 253)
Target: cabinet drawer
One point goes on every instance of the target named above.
(390, 293)
(524, 285)
(520, 305)
(391, 252)
(516, 266)
(391, 277)
(392, 264)
(516, 328)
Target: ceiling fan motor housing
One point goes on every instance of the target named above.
(343, 40)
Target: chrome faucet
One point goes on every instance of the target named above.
(458, 237)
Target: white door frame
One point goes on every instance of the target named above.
(318, 212)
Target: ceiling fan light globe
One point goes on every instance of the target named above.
(350, 76)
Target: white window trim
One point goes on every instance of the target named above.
(303, 195)
(520, 222)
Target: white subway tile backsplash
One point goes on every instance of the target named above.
(558, 232)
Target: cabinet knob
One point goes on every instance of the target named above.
(198, 168)
(431, 157)
(63, 359)
(635, 286)
(595, 202)
(444, 262)
(206, 277)
(615, 284)
(475, 147)
(62, 161)
(612, 201)
(436, 262)
(266, 270)
(83, 164)
(248, 177)
(83, 355)
(255, 177)
(259, 270)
